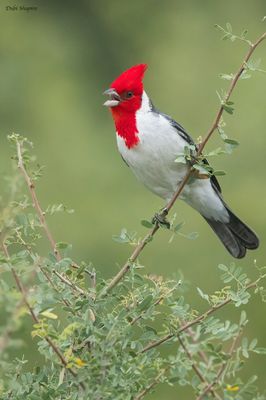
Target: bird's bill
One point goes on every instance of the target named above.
(114, 98)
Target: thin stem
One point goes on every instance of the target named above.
(65, 301)
(69, 283)
(151, 386)
(36, 204)
(158, 301)
(117, 278)
(195, 367)
(221, 370)
(203, 356)
(41, 216)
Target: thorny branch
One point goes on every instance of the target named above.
(117, 278)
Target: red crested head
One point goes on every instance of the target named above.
(130, 81)
(125, 99)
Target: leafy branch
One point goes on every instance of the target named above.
(50, 342)
(200, 318)
(222, 368)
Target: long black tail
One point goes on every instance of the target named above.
(236, 236)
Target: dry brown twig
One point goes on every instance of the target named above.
(117, 278)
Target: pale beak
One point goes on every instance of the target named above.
(114, 98)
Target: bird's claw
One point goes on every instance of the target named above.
(160, 218)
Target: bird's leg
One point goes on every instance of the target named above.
(160, 218)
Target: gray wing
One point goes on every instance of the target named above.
(182, 132)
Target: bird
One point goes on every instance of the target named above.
(149, 142)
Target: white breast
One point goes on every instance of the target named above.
(153, 159)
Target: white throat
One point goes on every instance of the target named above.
(145, 103)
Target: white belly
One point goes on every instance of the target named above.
(152, 160)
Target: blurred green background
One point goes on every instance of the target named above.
(55, 64)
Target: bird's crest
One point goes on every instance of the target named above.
(130, 79)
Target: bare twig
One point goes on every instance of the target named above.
(37, 206)
(117, 278)
(70, 283)
(151, 386)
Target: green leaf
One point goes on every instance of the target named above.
(146, 223)
(228, 77)
(243, 317)
(260, 350)
(181, 159)
(223, 267)
(228, 109)
(203, 295)
(244, 33)
(146, 302)
(62, 245)
(151, 329)
(215, 152)
(122, 238)
(49, 314)
(253, 344)
(226, 36)
(231, 141)
(178, 226)
(229, 27)
(219, 173)
(201, 169)
(192, 235)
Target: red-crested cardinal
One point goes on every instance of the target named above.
(150, 141)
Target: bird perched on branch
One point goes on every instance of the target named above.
(150, 141)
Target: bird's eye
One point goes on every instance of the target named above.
(129, 95)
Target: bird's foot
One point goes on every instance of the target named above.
(160, 218)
